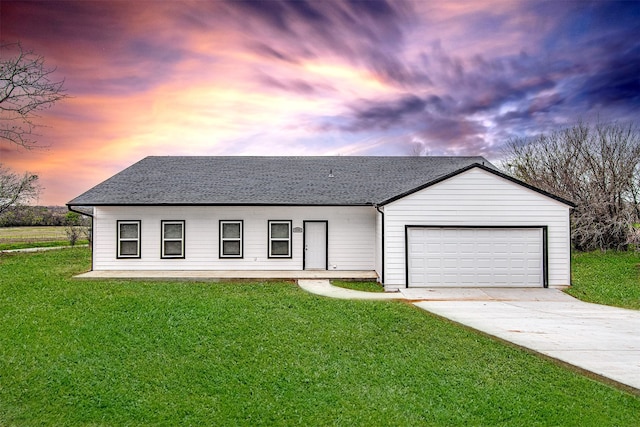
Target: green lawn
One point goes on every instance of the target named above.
(137, 353)
(358, 285)
(611, 278)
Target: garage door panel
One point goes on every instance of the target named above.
(475, 257)
(501, 262)
(434, 263)
(418, 263)
(449, 248)
(500, 248)
(465, 263)
(519, 263)
(417, 248)
(450, 263)
(519, 248)
(502, 280)
(449, 277)
(483, 247)
(533, 263)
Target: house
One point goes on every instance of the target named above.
(415, 221)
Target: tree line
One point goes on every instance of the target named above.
(23, 216)
(595, 166)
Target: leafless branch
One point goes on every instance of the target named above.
(26, 87)
(597, 167)
(16, 189)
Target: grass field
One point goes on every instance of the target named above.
(611, 278)
(34, 237)
(186, 353)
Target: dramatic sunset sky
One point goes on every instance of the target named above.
(314, 78)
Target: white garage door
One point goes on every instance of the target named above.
(475, 257)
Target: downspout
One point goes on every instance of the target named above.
(382, 244)
(92, 234)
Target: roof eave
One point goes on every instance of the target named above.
(86, 204)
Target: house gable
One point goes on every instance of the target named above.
(486, 169)
(477, 197)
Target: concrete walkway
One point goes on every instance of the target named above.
(325, 288)
(229, 274)
(602, 340)
(47, 248)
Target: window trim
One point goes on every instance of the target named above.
(181, 240)
(223, 239)
(119, 239)
(289, 240)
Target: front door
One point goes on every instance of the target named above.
(315, 245)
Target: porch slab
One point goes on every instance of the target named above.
(230, 274)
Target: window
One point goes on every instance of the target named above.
(279, 239)
(172, 239)
(231, 239)
(128, 239)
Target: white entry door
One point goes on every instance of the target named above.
(475, 257)
(315, 245)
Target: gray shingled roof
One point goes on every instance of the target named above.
(270, 180)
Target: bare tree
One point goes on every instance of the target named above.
(16, 189)
(76, 227)
(26, 87)
(597, 167)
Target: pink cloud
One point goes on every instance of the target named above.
(193, 77)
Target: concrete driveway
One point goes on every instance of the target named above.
(596, 338)
(600, 339)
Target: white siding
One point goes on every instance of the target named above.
(477, 197)
(351, 237)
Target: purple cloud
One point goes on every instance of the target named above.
(334, 76)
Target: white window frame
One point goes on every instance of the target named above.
(120, 239)
(280, 239)
(181, 239)
(223, 239)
